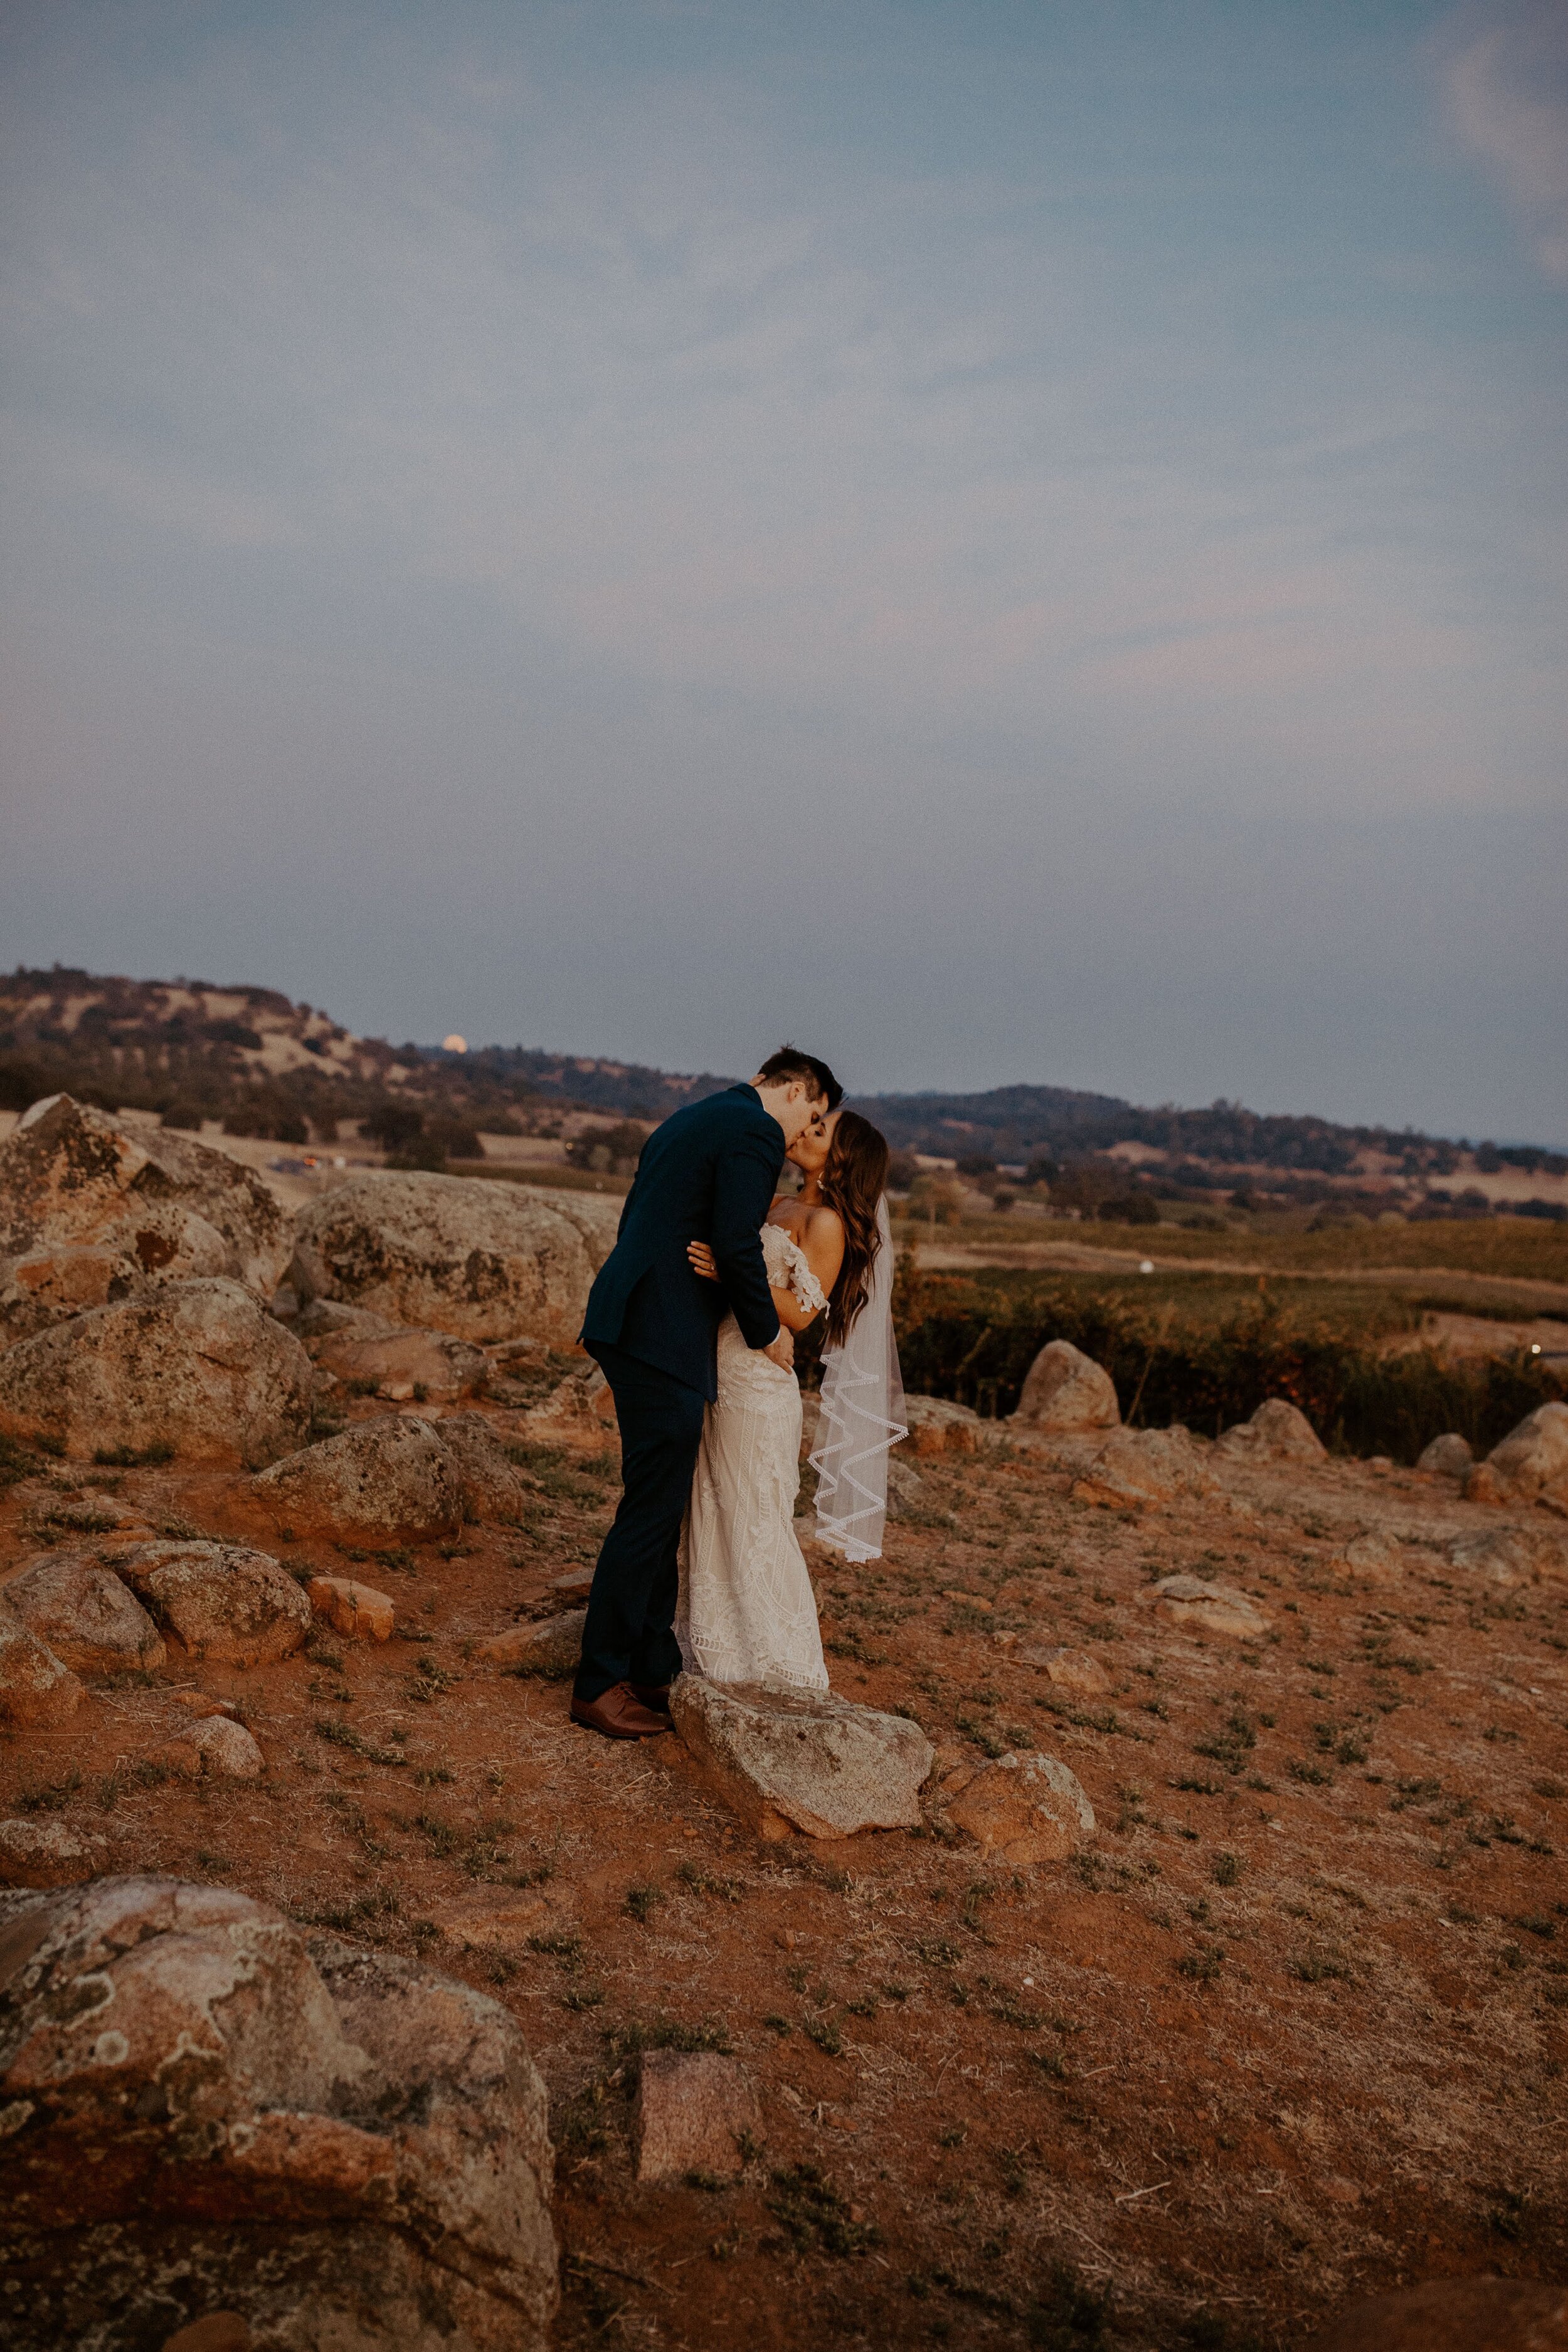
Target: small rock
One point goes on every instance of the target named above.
(1509, 1557)
(806, 1757)
(1069, 1670)
(906, 1490)
(400, 1361)
(1139, 1467)
(694, 2109)
(220, 1602)
(1211, 1608)
(356, 1611)
(46, 1853)
(581, 1406)
(935, 1427)
(1453, 2315)
(385, 1480)
(492, 1919)
(553, 1646)
(1449, 1456)
(85, 1615)
(1024, 1809)
(1376, 1556)
(35, 1689)
(1278, 1431)
(576, 1580)
(1530, 1463)
(1067, 1389)
(227, 1750)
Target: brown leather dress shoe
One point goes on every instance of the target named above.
(618, 1714)
(655, 1695)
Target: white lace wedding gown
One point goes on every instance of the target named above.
(746, 1612)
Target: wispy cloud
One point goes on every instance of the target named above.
(1508, 95)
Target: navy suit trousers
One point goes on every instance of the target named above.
(628, 1635)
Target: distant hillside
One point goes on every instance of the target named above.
(264, 1065)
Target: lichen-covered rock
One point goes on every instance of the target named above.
(35, 1689)
(494, 1487)
(1449, 1456)
(1138, 1468)
(387, 1480)
(1530, 1465)
(1024, 1809)
(1067, 1392)
(1209, 1608)
(85, 1614)
(89, 1211)
(483, 1261)
(38, 1852)
(223, 1603)
(1278, 1431)
(1375, 1556)
(551, 1646)
(199, 1366)
(696, 2112)
(806, 1759)
(210, 2112)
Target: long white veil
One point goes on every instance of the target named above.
(862, 1417)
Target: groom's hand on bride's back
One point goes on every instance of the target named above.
(781, 1351)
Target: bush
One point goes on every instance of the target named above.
(974, 1344)
(1131, 1208)
(607, 1150)
(21, 1084)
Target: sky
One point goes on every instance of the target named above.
(1015, 540)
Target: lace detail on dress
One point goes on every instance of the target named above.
(747, 1612)
(789, 1269)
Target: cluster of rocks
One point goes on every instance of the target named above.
(144, 1298)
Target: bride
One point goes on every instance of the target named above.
(746, 1612)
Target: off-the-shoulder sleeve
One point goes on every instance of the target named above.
(789, 1268)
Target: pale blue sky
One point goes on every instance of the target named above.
(1012, 541)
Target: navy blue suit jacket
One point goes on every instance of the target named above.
(707, 1175)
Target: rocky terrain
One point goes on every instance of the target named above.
(1159, 1941)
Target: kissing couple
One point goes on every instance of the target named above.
(693, 1317)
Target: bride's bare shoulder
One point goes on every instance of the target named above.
(821, 1222)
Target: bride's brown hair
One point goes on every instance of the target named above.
(853, 1182)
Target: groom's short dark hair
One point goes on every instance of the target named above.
(789, 1063)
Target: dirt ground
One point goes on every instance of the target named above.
(1294, 2029)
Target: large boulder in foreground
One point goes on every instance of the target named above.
(484, 1261)
(1067, 1392)
(1530, 1465)
(85, 1615)
(1278, 1431)
(211, 2112)
(90, 1209)
(223, 1603)
(199, 1366)
(803, 1758)
(383, 1480)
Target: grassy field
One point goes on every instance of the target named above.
(1518, 1249)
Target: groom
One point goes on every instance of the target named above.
(707, 1175)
